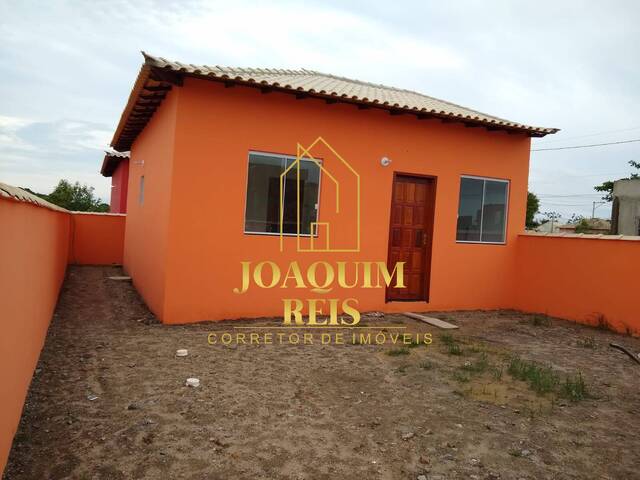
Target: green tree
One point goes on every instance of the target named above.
(607, 187)
(583, 226)
(533, 207)
(581, 223)
(76, 197)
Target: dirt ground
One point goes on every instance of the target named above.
(335, 411)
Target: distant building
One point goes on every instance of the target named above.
(551, 226)
(591, 226)
(116, 166)
(625, 214)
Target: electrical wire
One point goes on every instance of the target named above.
(606, 132)
(551, 195)
(585, 146)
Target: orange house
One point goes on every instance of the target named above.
(233, 165)
(116, 166)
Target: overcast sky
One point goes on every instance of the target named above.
(67, 69)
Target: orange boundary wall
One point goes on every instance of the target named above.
(581, 278)
(36, 244)
(97, 238)
(33, 247)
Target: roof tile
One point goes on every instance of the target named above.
(317, 84)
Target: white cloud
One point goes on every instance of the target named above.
(68, 67)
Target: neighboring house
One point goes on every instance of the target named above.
(591, 226)
(625, 214)
(551, 226)
(116, 166)
(436, 185)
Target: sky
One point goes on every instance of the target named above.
(67, 68)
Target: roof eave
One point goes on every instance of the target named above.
(105, 170)
(392, 108)
(141, 79)
(139, 109)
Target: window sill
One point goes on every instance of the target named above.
(269, 234)
(478, 242)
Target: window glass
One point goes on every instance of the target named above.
(470, 209)
(482, 210)
(493, 211)
(263, 194)
(309, 188)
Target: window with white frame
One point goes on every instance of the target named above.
(482, 211)
(262, 212)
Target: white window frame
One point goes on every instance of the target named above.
(246, 192)
(506, 209)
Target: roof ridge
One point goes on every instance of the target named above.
(406, 90)
(304, 71)
(161, 62)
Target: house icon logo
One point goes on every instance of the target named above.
(323, 236)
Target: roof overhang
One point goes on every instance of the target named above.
(158, 76)
(111, 161)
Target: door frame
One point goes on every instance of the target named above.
(429, 214)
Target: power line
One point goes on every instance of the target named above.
(586, 146)
(560, 202)
(553, 204)
(556, 140)
(553, 195)
(566, 174)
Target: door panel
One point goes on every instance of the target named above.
(410, 235)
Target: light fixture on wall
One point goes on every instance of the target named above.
(385, 162)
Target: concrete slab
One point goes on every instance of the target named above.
(436, 322)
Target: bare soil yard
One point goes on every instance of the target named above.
(475, 404)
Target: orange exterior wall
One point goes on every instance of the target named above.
(580, 279)
(146, 233)
(97, 238)
(33, 256)
(216, 127)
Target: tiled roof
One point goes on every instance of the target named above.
(111, 160)
(20, 195)
(158, 75)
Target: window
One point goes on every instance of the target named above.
(263, 194)
(482, 211)
(141, 192)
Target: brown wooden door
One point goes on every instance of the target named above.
(410, 234)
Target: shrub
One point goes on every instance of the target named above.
(478, 366)
(394, 352)
(447, 339)
(453, 348)
(574, 388)
(541, 379)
